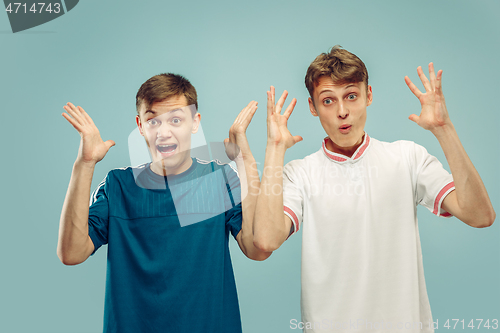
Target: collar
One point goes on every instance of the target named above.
(360, 152)
(146, 178)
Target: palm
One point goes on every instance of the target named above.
(277, 130)
(237, 141)
(92, 147)
(434, 113)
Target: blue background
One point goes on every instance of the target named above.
(99, 54)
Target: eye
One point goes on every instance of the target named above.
(176, 121)
(352, 96)
(327, 101)
(153, 122)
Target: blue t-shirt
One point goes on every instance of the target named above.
(169, 268)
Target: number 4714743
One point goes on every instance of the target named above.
(36, 8)
(474, 323)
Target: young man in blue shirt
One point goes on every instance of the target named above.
(166, 223)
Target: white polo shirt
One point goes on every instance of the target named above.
(361, 258)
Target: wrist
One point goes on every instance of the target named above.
(83, 165)
(444, 130)
(276, 146)
(244, 157)
(274, 151)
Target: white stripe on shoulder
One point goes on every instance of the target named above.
(231, 164)
(202, 161)
(140, 166)
(93, 196)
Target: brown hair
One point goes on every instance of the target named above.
(163, 86)
(341, 65)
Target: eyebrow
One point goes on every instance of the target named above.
(346, 87)
(154, 112)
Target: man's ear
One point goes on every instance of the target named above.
(369, 95)
(311, 107)
(139, 124)
(196, 122)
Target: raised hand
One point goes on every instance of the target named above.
(277, 131)
(434, 114)
(237, 141)
(92, 147)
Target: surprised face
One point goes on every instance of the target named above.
(341, 109)
(167, 127)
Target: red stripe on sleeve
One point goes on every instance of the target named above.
(438, 199)
(294, 218)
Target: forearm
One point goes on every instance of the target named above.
(474, 204)
(270, 230)
(74, 245)
(250, 184)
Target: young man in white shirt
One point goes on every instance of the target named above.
(356, 201)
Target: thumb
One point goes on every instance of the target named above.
(109, 143)
(414, 118)
(297, 138)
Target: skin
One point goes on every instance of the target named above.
(338, 106)
(334, 105)
(74, 244)
(469, 202)
(271, 226)
(237, 145)
(175, 125)
(168, 122)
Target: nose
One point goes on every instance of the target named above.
(164, 131)
(343, 111)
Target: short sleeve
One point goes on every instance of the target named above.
(433, 182)
(293, 198)
(232, 198)
(98, 215)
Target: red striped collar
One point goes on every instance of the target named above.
(342, 158)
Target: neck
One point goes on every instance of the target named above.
(161, 169)
(346, 151)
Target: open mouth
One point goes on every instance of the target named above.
(166, 149)
(345, 128)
